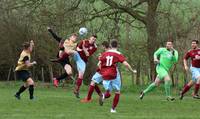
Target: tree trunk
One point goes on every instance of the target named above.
(151, 27)
(138, 72)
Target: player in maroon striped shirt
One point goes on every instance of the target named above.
(194, 55)
(85, 49)
(109, 73)
(95, 79)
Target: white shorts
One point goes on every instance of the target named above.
(114, 84)
(81, 65)
(195, 73)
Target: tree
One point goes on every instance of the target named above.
(148, 18)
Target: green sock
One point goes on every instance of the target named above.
(167, 88)
(149, 88)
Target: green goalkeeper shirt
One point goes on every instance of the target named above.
(167, 59)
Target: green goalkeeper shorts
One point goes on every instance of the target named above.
(161, 71)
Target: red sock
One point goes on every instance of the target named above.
(79, 83)
(196, 89)
(107, 94)
(90, 92)
(97, 89)
(115, 100)
(185, 89)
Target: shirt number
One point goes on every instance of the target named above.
(109, 60)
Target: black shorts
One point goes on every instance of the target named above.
(23, 75)
(64, 59)
(64, 62)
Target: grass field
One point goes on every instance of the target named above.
(51, 103)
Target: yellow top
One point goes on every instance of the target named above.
(69, 45)
(24, 56)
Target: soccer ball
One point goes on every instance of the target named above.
(83, 31)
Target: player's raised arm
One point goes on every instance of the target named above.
(128, 66)
(31, 45)
(57, 38)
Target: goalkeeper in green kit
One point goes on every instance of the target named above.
(164, 58)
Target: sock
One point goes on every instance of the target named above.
(185, 89)
(107, 94)
(115, 100)
(149, 88)
(97, 89)
(21, 89)
(31, 90)
(167, 88)
(90, 92)
(62, 76)
(196, 89)
(78, 83)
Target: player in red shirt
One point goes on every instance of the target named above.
(194, 55)
(85, 49)
(95, 79)
(108, 71)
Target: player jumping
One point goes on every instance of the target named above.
(62, 56)
(95, 79)
(84, 50)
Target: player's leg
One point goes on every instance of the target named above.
(96, 79)
(116, 84)
(21, 90)
(186, 88)
(98, 90)
(79, 81)
(197, 85)
(115, 102)
(161, 74)
(68, 72)
(81, 66)
(89, 94)
(107, 86)
(151, 87)
(107, 94)
(168, 88)
(24, 75)
(196, 78)
(30, 83)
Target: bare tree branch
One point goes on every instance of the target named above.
(75, 5)
(128, 10)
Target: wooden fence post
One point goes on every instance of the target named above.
(9, 73)
(51, 73)
(43, 75)
(15, 77)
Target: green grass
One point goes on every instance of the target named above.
(60, 103)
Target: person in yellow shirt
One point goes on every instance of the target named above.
(66, 48)
(22, 70)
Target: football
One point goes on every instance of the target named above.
(83, 31)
